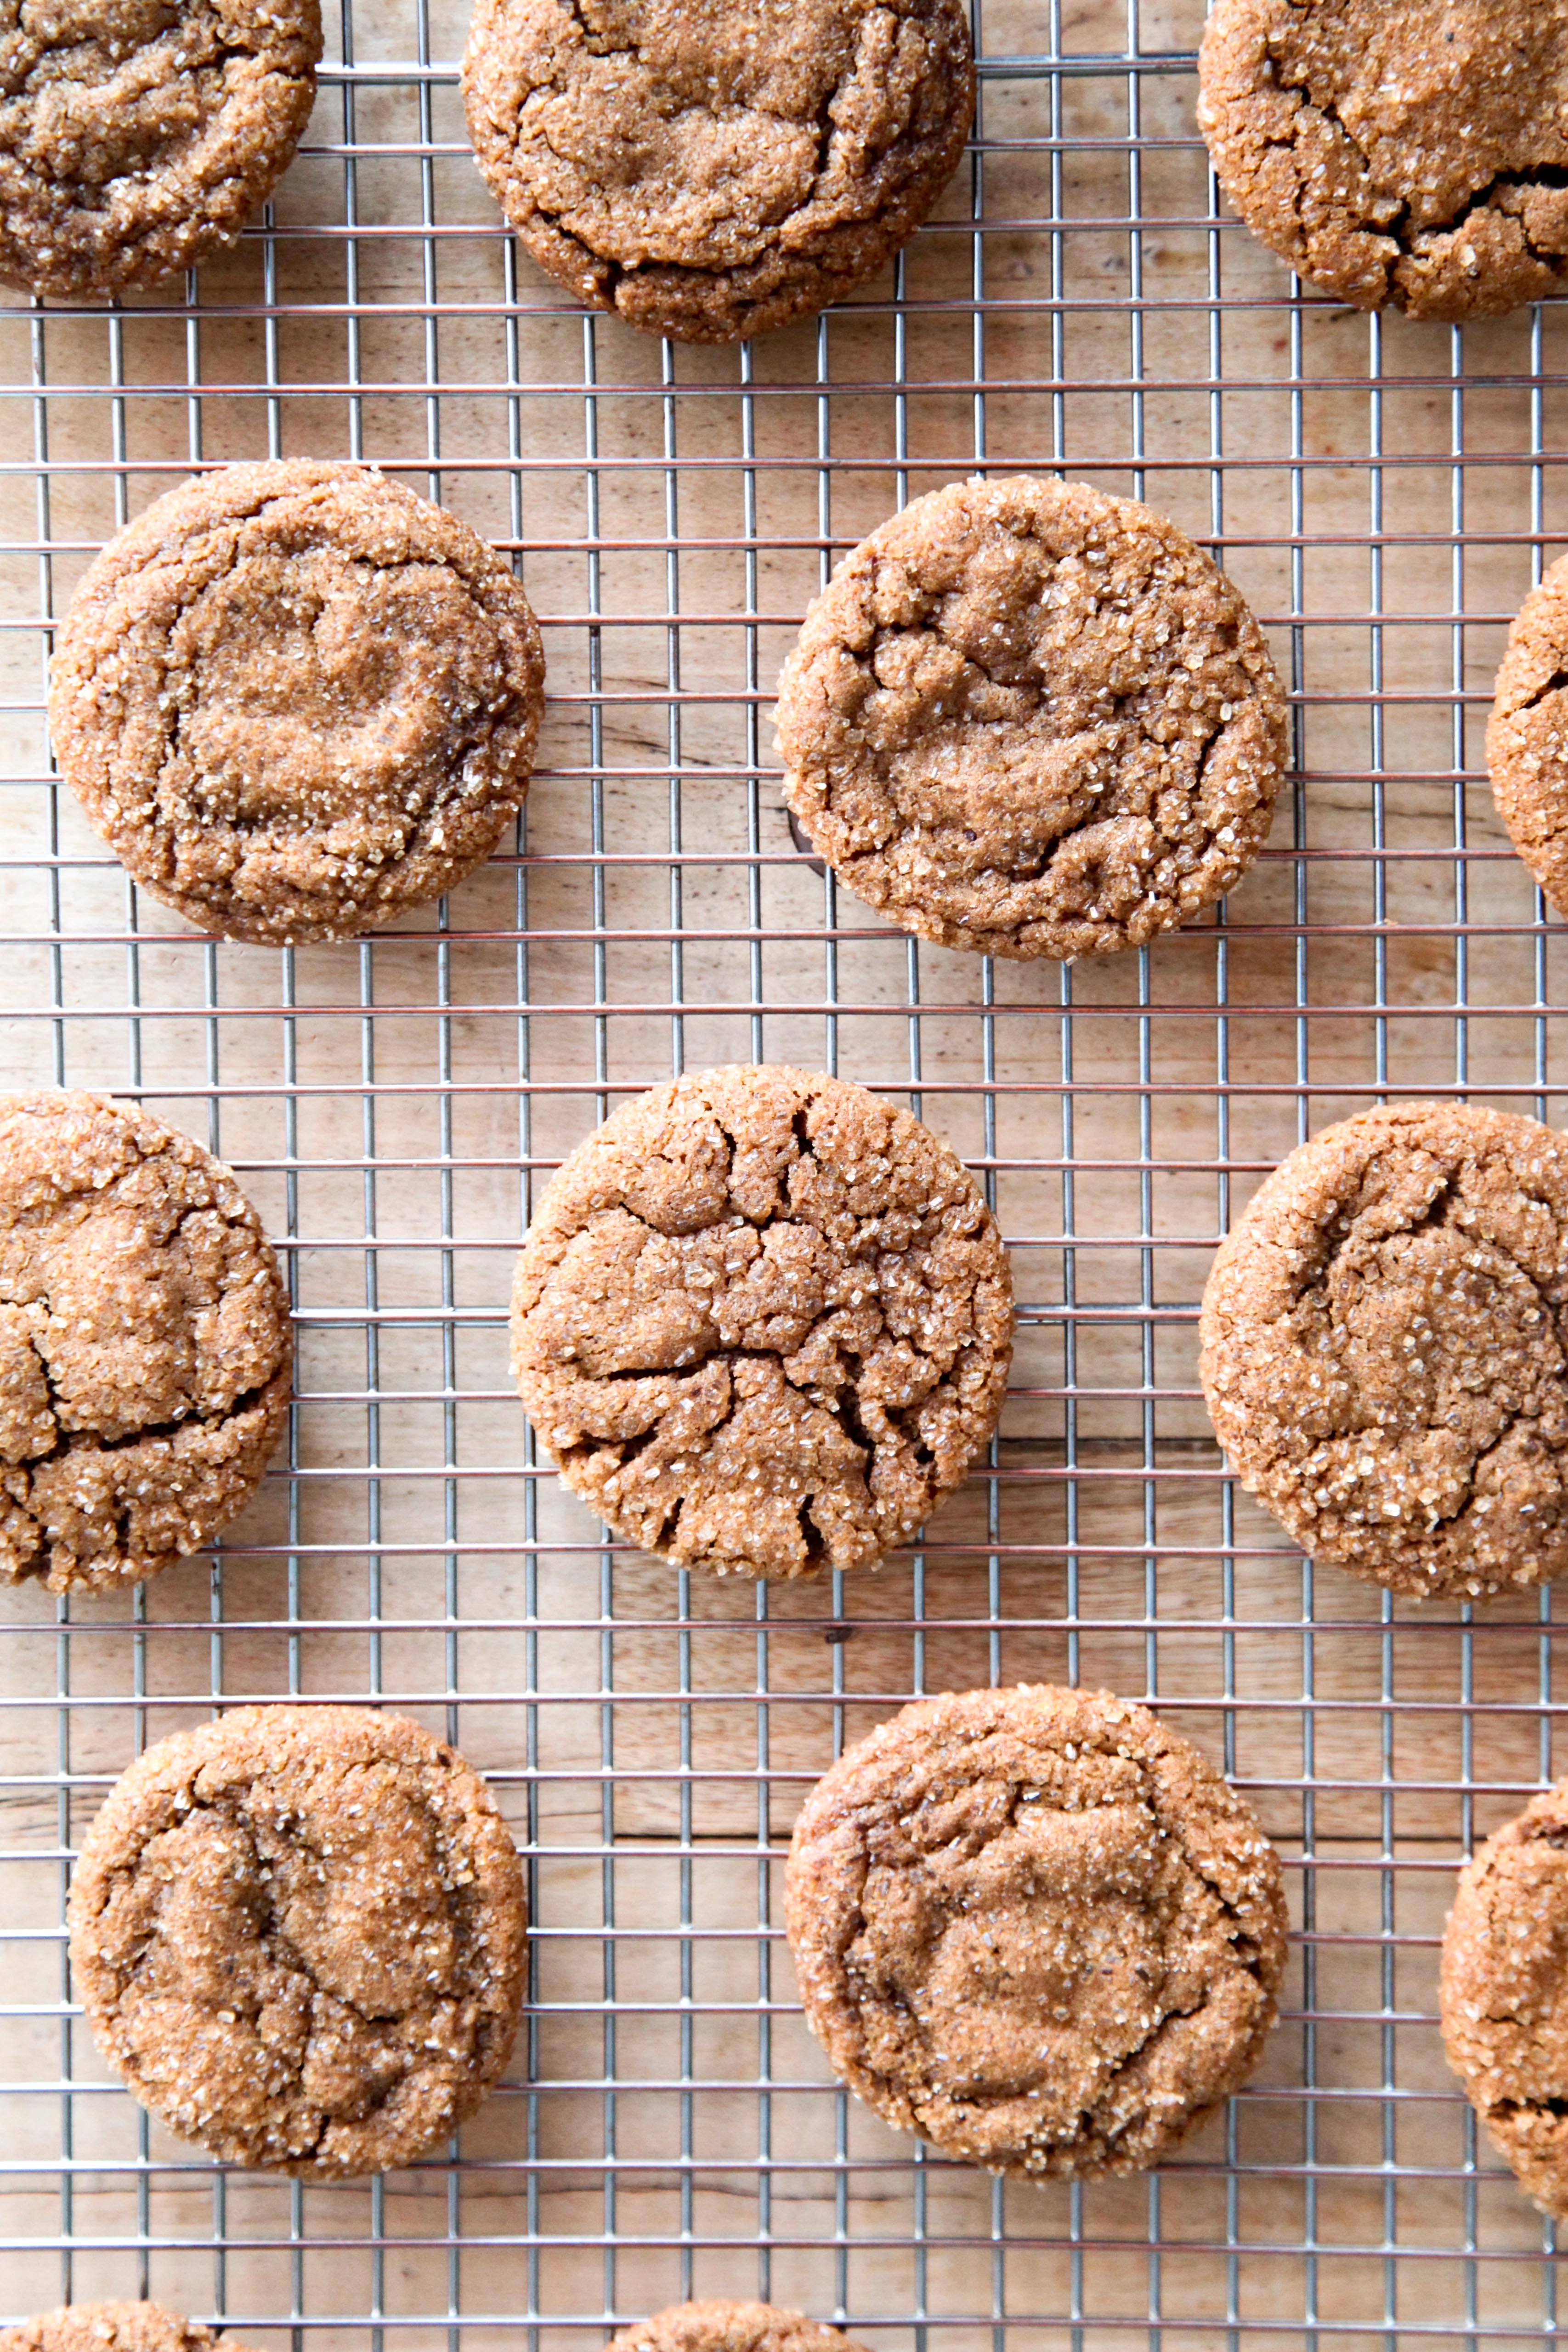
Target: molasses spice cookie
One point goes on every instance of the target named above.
(145, 1346)
(299, 1936)
(1385, 1348)
(1505, 1994)
(1413, 152)
(1032, 719)
(714, 168)
(1036, 1928)
(296, 701)
(1527, 735)
(112, 2328)
(133, 140)
(731, 2327)
(763, 1322)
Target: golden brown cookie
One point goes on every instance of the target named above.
(1032, 719)
(1384, 1348)
(112, 2328)
(1036, 1927)
(299, 1934)
(714, 168)
(135, 139)
(296, 701)
(762, 1321)
(1527, 735)
(1505, 1994)
(731, 2327)
(1411, 152)
(146, 1346)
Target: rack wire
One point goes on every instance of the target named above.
(1384, 493)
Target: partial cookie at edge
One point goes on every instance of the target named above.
(716, 171)
(145, 1343)
(1504, 1997)
(112, 2328)
(719, 2326)
(1407, 153)
(1385, 1348)
(134, 141)
(1527, 734)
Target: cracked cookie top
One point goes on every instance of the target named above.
(1527, 735)
(144, 1342)
(300, 1936)
(715, 168)
(1385, 1348)
(1412, 152)
(296, 701)
(762, 1321)
(137, 135)
(729, 2327)
(1036, 1928)
(1504, 1996)
(1032, 719)
(111, 2327)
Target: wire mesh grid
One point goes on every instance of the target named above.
(1383, 493)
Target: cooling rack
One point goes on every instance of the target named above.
(1384, 493)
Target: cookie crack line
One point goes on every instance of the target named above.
(1397, 229)
(1441, 1216)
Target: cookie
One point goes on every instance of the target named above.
(111, 2327)
(729, 2327)
(296, 701)
(1385, 1348)
(145, 1345)
(762, 1321)
(1504, 1996)
(1031, 720)
(1036, 1927)
(135, 140)
(715, 168)
(299, 1934)
(1396, 153)
(1527, 735)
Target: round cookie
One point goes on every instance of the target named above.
(1032, 719)
(730, 2327)
(1527, 735)
(135, 139)
(1036, 1928)
(145, 1345)
(1410, 152)
(111, 2327)
(1504, 1997)
(1385, 1348)
(299, 1934)
(296, 701)
(762, 1321)
(715, 168)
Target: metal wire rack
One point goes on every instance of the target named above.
(1384, 493)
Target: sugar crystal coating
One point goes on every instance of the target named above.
(145, 1351)
(1505, 1993)
(1411, 152)
(1036, 1927)
(715, 168)
(762, 1321)
(1385, 1348)
(299, 1936)
(1030, 719)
